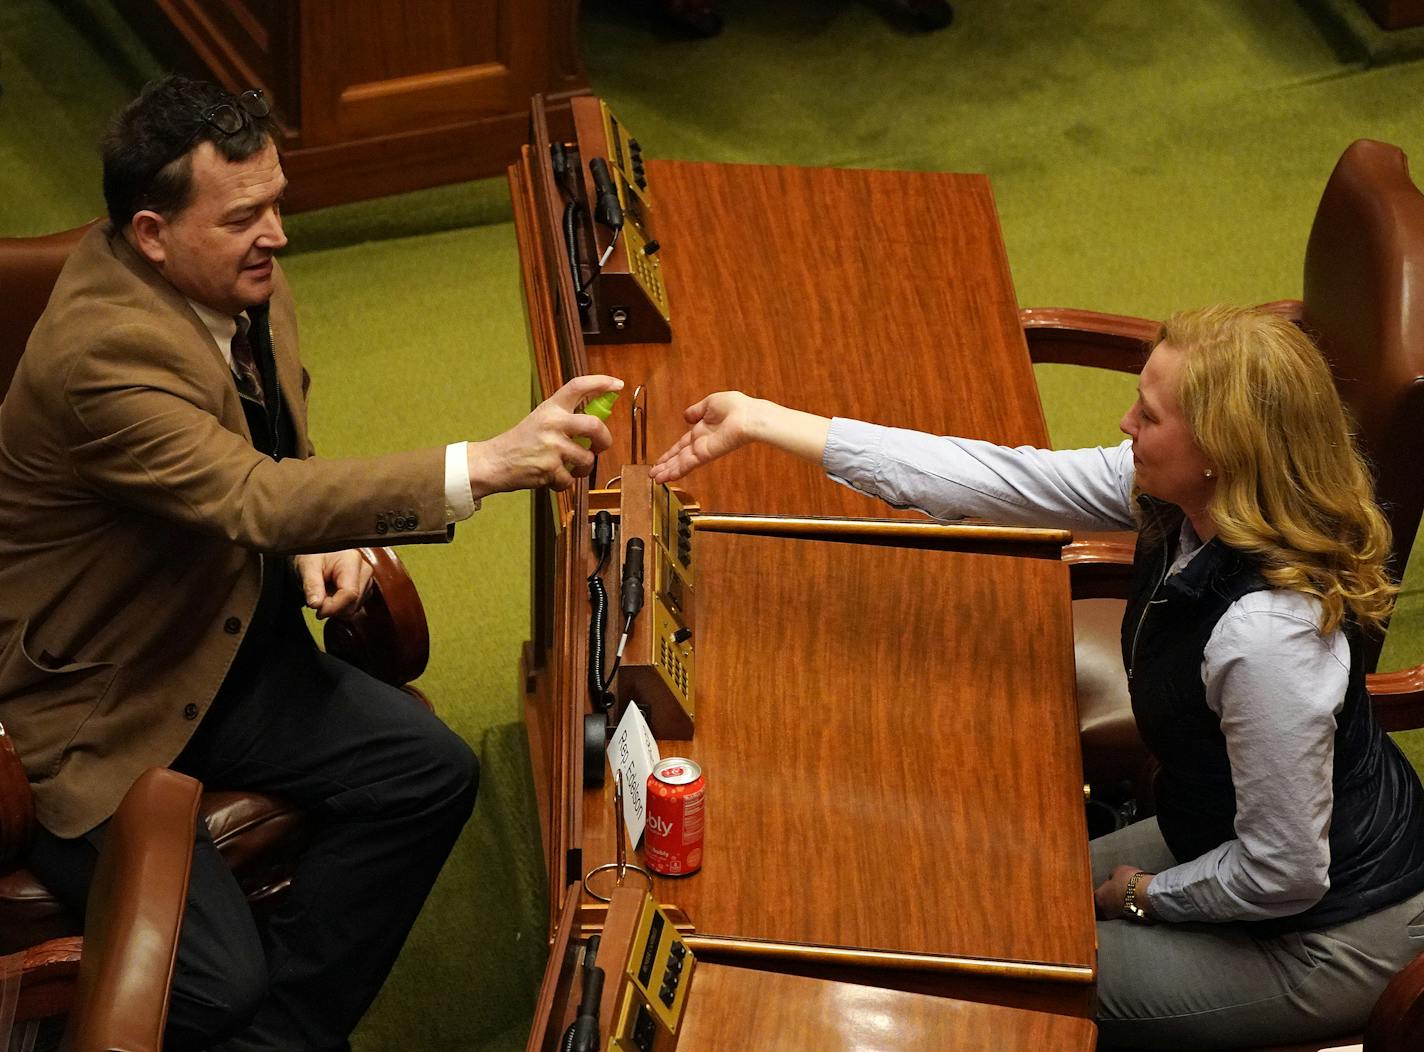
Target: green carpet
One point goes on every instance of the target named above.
(1144, 157)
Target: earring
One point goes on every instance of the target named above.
(1209, 473)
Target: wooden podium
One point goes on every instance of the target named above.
(889, 735)
(378, 96)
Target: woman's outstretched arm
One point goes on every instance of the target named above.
(728, 420)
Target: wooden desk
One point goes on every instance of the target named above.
(758, 1011)
(761, 1012)
(889, 737)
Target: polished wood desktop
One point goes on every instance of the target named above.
(889, 735)
(753, 1010)
(757, 1011)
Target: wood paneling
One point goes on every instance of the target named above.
(379, 96)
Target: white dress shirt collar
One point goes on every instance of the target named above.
(222, 326)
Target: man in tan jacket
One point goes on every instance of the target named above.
(162, 520)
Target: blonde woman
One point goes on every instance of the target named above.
(1274, 895)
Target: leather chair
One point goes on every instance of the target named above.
(133, 918)
(1363, 302)
(259, 836)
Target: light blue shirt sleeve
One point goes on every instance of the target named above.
(958, 478)
(1277, 684)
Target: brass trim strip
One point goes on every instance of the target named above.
(891, 960)
(900, 533)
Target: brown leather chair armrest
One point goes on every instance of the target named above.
(28, 269)
(134, 917)
(1066, 336)
(1397, 1022)
(1398, 698)
(389, 636)
(17, 805)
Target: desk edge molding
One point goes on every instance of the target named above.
(1037, 971)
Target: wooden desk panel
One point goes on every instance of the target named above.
(378, 97)
(886, 749)
(754, 1010)
(751, 1011)
(879, 295)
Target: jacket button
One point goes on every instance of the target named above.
(232, 626)
(190, 711)
(411, 522)
(380, 524)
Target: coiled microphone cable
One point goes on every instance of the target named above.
(598, 615)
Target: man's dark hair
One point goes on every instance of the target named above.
(148, 149)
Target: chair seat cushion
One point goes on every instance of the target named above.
(259, 836)
(1112, 750)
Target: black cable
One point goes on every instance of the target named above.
(630, 599)
(598, 616)
(581, 296)
(617, 658)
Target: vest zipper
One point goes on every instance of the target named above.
(1152, 601)
(1132, 664)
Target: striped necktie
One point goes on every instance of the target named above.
(244, 365)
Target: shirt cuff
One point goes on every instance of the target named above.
(460, 501)
(852, 454)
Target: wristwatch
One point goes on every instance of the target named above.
(1129, 901)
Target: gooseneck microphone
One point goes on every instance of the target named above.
(606, 208)
(585, 1034)
(632, 595)
(582, 1035)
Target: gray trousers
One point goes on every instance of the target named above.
(1203, 986)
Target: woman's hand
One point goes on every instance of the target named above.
(721, 423)
(728, 420)
(1112, 893)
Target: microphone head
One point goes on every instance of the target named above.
(632, 592)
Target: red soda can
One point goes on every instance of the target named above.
(672, 837)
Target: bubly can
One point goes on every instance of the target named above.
(672, 837)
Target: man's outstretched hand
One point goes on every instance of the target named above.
(540, 450)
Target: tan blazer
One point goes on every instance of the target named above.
(133, 514)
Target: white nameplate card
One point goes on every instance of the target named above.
(632, 753)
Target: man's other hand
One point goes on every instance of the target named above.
(540, 450)
(334, 583)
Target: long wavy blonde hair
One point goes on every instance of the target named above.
(1292, 490)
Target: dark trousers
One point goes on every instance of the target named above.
(388, 788)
